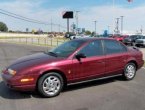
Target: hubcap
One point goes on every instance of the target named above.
(130, 71)
(51, 85)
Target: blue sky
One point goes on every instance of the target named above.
(87, 3)
(73, 4)
(90, 10)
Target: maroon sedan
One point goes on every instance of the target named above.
(73, 62)
(120, 38)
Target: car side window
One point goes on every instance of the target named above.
(113, 47)
(92, 49)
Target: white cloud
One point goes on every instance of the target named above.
(133, 17)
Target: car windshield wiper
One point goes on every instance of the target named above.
(52, 53)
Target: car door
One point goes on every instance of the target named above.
(94, 63)
(116, 54)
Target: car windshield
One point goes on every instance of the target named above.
(143, 37)
(132, 36)
(66, 49)
(136, 36)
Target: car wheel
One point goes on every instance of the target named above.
(50, 84)
(131, 44)
(137, 45)
(129, 71)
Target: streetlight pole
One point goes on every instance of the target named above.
(122, 24)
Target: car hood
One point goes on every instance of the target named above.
(33, 60)
(133, 50)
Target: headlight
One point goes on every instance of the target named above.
(12, 72)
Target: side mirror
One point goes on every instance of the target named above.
(79, 56)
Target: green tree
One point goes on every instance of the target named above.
(88, 32)
(3, 27)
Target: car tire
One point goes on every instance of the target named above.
(50, 84)
(129, 71)
(131, 44)
(137, 45)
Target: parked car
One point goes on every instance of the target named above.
(131, 39)
(120, 37)
(68, 35)
(79, 36)
(73, 62)
(140, 42)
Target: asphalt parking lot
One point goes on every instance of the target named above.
(143, 51)
(108, 94)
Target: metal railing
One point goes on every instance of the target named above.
(43, 41)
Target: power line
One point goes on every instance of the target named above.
(16, 16)
(20, 16)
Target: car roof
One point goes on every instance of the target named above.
(135, 35)
(92, 38)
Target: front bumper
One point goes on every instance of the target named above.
(14, 83)
(140, 44)
(127, 42)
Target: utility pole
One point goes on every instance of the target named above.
(117, 26)
(51, 25)
(141, 30)
(73, 26)
(108, 29)
(77, 21)
(95, 26)
(113, 25)
(59, 28)
(122, 24)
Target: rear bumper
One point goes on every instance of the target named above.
(140, 64)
